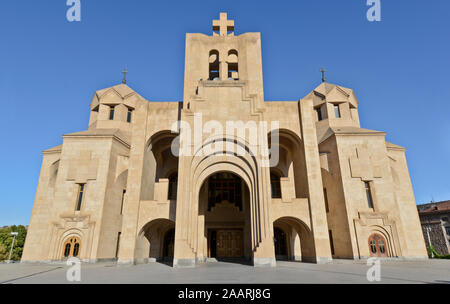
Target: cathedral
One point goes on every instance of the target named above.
(224, 174)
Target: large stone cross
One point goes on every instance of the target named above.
(83, 169)
(364, 166)
(223, 25)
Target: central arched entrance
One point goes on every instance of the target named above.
(224, 204)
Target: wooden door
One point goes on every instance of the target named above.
(230, 244)
(377, 246)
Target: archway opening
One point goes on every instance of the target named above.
(160, 240)
(224, 204)
(293, 240)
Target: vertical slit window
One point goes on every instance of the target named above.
(129, 115)
(80, 196)
(111, 112)
(337, 112)
(368, 194)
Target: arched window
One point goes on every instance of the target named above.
(67, 250)
(76, 249)
(72, 247)
(377, 245)
(275, 185)
(214, 65)
(173, 184)
(233, 66)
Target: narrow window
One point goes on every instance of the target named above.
(326, 199)
(76, 249)
(80, 196)
(173, 183)
(319, 114)
(447, 230)
(129, 115)
(233, 69)
(123, 198)
(330, 233)
(373, 246)
(368, 194)
(111, 112)
(214, 73)
(275, 185)
(118, 244)
(337, 112)
(67, 250)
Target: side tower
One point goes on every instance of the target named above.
(371, 209)
(79, 199)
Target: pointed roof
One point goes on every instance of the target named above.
(394, 147)
(122, 90)
(332, 93)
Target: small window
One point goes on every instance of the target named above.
(330, 233)
(76, 249)
(80, 196)
(123, 198)
(275, 185)
(381, 246)
(173, 183)
(325, 195)
(319, 114)
(368, 194)
(67, 250)
(111, 112)
(447, 230)
(373, 246)
(337, 112)
(118, 244)
(129, 115)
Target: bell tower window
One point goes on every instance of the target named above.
(233, 68)
(214, 65)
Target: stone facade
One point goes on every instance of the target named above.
(123, 190)
(435, 220)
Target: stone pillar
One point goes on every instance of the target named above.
(264, 255)
(318, 221)
(127, 251)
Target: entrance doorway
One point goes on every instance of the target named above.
(280, 243)
(226, 243)
(168, 246)
(377, 246)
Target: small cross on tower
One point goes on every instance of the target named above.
(125, 72)
(223, 25)
(323, 75)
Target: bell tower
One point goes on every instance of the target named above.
(223, 58)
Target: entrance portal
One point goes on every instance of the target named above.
(224, 203)
(226, 243)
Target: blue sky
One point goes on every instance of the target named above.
(50, 69)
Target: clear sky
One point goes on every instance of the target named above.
(50, 69)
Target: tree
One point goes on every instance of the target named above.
(6, 241)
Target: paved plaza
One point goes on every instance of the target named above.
(339, 271)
